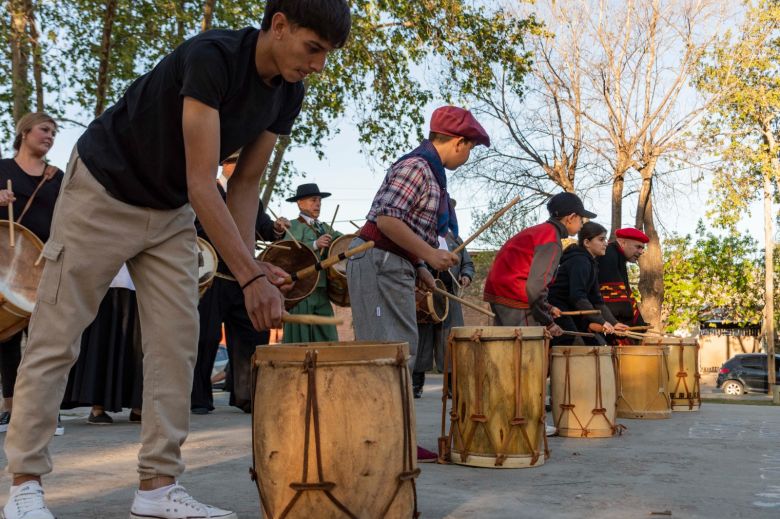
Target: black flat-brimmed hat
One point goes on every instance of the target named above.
(306, 190)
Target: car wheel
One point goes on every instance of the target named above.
(733, 387)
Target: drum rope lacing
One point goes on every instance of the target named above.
(682, 377)
(599, 410)
(477, 418)
(312, 421)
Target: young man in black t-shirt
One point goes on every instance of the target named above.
(130, 189)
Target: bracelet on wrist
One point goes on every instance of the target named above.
(252, 280)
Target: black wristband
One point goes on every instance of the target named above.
(261, 275)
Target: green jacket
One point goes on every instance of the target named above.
(307, 235)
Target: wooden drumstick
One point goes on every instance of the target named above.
(582, 312)
(311, 319)
(10, 217)
(639, 328)
(327, 263)
(487, 224)
(463, 301)
(286, 231)
(334, 216)
(356, 225)
(273, 246)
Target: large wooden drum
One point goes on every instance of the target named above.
(293, 260)
(643, 377)
(338, 291)
(431, 307)
(20, 273)
(334, 431)
(584, 392)
(499, 377)
(683, 367)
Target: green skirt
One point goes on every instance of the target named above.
(316, 304)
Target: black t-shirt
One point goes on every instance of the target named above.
(264, 228)
(39, 215)
(135, 149)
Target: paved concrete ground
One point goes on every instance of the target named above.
(722, 462)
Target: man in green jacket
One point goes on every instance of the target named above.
(318, 236)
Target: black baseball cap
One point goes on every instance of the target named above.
(563, 204)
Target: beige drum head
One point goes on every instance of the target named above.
(19, 275)
(293, 260)
(207, 263)
(339, 245)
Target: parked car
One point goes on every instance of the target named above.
(746, 372)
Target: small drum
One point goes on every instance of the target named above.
(643, 377)
(431, 307)
(207, 265)
(333, 431)
(499, 378)
(338, 292)
(20, 273)
(683, 366)
(583, 387)
(293, 260)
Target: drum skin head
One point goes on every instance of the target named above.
(19, 276)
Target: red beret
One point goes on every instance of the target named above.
(631, 233)
(458, 122)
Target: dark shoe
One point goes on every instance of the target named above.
(100, 419)
(417, 391)
(200, 410)
(134, 417)
(5, 419)
(426, 456)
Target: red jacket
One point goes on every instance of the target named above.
(524, 267)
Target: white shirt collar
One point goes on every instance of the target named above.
(308, 219)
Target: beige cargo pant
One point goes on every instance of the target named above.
(92, 234)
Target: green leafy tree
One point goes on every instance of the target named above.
(711, 276)
(743, 128)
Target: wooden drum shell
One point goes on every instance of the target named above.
(683, 365)
(499, 378)
(584, 391)
(338, 291)
(19, 277)
(643, 377)
(291, 261)
(360, 402)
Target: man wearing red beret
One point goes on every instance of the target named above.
(409, 217)
(628, 246)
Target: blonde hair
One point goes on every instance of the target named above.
(28, 122)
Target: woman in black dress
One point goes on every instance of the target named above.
(576, 287)
(34, 189)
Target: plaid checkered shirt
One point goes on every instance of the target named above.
(410, 193)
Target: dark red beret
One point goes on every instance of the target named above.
(631, 233)
(458, 122)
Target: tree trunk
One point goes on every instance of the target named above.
(101, 91)
(274, 168)
(769, 282)
(651, 263)
(21, 89)
(37, 59)
(651, 270)
(208, 15)
(617, 203)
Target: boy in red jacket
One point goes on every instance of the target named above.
(516, 286)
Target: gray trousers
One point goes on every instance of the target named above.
(508, 316)
(381, 292)
(433, 340)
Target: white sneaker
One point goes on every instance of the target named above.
(26, 502)
(60, 430)
(175, 503)
(550, 430)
